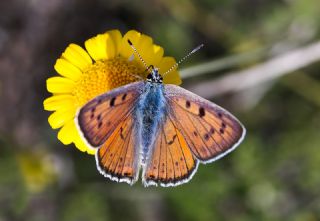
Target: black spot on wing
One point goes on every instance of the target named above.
(173, 138)
(188, 104)
(201, 112)
(99, 124)
(121, 133)
(112, 101)
(124, 97)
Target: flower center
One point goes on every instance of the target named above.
(105, 75)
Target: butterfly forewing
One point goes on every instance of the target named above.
(100, 116)
(209, 130)
(171, 161)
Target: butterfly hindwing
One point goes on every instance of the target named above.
(118, 157)
(171, 161)
(99, 117)
(209, 130)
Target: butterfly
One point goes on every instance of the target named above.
(161, 129)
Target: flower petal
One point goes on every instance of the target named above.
(91, 151)
(158, 54)
(101, 47)
(77, 56)
(172, 77)
(66, 69)
(110, 47)
(125, 50)
(60, 117)
(151, 54)
(68, 133)
(80, 144)
(116, 37)
(145, 49)
(96, 47)
(60, 85)
(56, 102)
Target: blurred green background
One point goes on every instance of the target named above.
(273, 175)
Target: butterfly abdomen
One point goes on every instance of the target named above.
(150, 112)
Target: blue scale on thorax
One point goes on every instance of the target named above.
(150, 111)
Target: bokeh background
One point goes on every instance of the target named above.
(260, 61)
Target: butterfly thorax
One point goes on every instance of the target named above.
(150, 111)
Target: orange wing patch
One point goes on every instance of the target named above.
(209, 130)
(118, 157)
(171, 161)
(99, 117)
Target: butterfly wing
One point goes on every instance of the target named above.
(98, 118)
(118, 157)
(171, 162)
(107, 122)
(192, 130)
(210, 131)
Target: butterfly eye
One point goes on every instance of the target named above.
(149, 76)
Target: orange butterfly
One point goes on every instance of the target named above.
(163, 129)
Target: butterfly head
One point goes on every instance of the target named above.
(154, 76)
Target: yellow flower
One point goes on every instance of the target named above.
(107, 63)
(37, 170)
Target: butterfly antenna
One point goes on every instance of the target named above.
(184, 58)
(135, 51)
